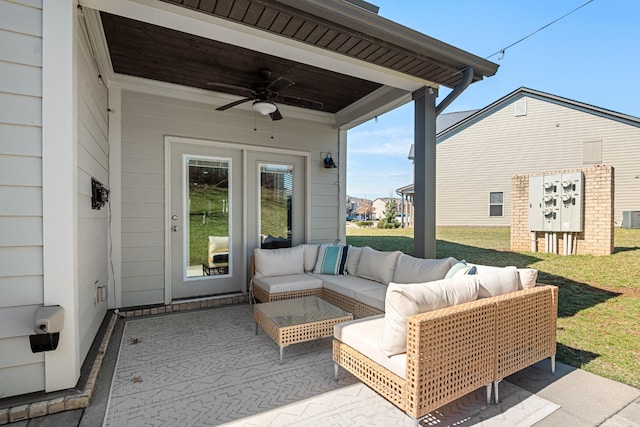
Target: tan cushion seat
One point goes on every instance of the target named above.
(373, 297)
(292, 282)
(347, 285)
(363, 335)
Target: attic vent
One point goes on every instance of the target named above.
(521, 108)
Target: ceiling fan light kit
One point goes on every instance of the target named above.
(264, 107)
(264, 92)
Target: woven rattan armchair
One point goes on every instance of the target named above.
(456, 350)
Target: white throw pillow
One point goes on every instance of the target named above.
(310, 255)
(418, 270)
(377, 265)
(498, 282)
(353, 259)
(405, 300)
(527, 278)
(278, 262)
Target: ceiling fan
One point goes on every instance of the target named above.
(265, 92)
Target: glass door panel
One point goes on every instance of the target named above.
(207, 222)
(275, 210)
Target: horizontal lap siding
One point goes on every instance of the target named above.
(21, 280)
(92, 226)
(484, 156)
(146, 119)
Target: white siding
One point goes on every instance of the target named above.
(483, 156)
(93, 161)
(21, 283)
(146, 119)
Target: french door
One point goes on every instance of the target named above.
(205, 220)
(224, 201)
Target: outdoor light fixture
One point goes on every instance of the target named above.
(328, 162)
(264, 107)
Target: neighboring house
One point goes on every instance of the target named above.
(380, 205)
(353, 203)
(525, 132)
(171, 106)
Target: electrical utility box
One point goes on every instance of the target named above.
(556, 202)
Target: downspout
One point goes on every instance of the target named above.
(467, 78)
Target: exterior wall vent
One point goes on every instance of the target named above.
(521, 108)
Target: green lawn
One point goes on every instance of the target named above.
(599, 302)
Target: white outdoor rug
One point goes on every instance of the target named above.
(208, 367)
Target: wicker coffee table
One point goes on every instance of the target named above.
(297, 320)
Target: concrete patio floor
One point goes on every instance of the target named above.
(585, 399)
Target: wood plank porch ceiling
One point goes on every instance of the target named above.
(145, 50)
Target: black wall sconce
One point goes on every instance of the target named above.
(99, 194)
(328, 162)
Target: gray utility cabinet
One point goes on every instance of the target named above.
(556, 202)
(631, 219)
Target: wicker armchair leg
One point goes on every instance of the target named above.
(553, 364)
(495, 387)
(335, 371)
(489, 386)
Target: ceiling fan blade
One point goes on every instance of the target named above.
(276, 115)
(279, 84)
(300, 102)
(234, 87)
(233, 104)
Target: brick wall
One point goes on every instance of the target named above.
(597, 237)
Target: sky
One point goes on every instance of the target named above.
(590, 56)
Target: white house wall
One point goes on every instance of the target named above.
(483, 157)
(93, 161)
(21, 280)
(146, 120)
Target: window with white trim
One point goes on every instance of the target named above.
(496, 199)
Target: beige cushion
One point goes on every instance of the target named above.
(363, 335)
(377, 265)
(527, 278)
(310, 256)
(418, 270)
(498, 282)
(279, 262)
(353, 258)
(406, 300)
(292, 282)
(218, 245)
(347, 285)
(373, 297)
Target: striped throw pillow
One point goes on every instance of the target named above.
(332, 259)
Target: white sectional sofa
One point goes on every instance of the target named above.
(353, 278)
(428, 331)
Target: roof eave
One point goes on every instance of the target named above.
(378, 27)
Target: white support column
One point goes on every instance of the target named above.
(342, 190)
(424, 232)
(59, 186)
(115, 200)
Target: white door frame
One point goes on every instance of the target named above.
(169, 141)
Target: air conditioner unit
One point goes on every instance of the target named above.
(631, 219)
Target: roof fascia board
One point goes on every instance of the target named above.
(523, 91)
(203, 25)
(375, 25)
(375, 104)
(602, 112)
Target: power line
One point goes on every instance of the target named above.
(502, 51)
